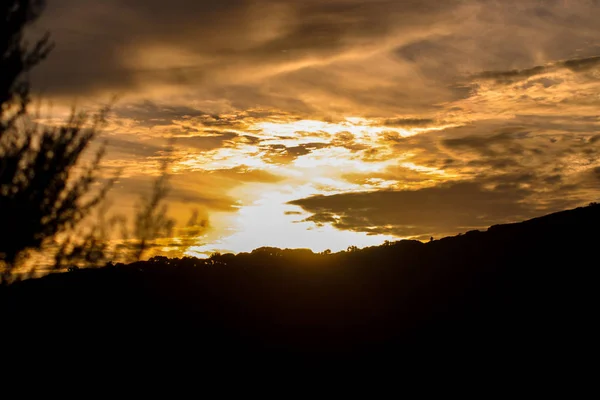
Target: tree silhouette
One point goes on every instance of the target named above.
(151, 219)
(44, 189)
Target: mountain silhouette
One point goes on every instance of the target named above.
(526, 290)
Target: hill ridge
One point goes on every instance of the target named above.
(523, 285)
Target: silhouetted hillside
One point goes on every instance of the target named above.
(527, 289)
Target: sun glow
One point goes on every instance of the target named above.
(270, 221)
(326, 153)
(273, 162)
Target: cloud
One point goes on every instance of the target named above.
(120, 148)
(208, 141)
(515, 75)
(506, 141)
(150, 114)
(229, 50)
(481, 108)
(526, 143)
(582, 64)
(471, 176)
(408, 122)
(281, 154)
(194, 195)
(320, 58)
(244, 174)
(512, 75)
(444, 209)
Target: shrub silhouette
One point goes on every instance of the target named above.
(44, 189)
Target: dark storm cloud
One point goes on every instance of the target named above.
(449, 208)
(372, 58)
(97, 41)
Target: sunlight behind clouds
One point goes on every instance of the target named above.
(324, 124)
(269, 221)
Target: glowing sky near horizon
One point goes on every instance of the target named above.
(325, 124)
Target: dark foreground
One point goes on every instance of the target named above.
(524, 293)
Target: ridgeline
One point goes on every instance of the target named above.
(526, 288)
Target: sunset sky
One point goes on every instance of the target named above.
(327, 123)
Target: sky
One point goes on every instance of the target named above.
(324, 124)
